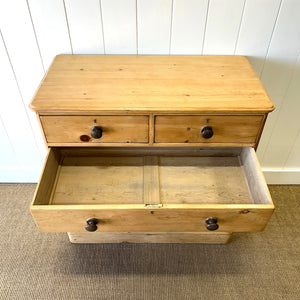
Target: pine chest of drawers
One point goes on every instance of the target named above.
(151, 149)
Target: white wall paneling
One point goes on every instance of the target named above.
(21, 44)
(85, 25)
(16, 124)
(119, 25)
(7, 157)
(188, 26)
(293, 160)
(287, 126)
(277, 176)
(32, 32)
(279, 66)
(154, 20)
(50, 24)
(256, 30)
(223, 25)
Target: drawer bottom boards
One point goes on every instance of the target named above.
(152, 191)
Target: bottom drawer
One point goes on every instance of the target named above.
(151, 190)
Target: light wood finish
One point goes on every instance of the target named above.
(226, 129)
(116, 129)
(111, 189)
(151, 237)
(260, 131)
(151, 129)
(210, 180)
(50, 171)
(151, 177)
(105, 180)
(87, 83)
(151, 180)
(156, 145)
(257, 183)
(147, 151)
(138, 218)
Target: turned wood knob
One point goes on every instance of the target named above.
(211, 224)
(91, 225)
(207, 132)
(96, 132)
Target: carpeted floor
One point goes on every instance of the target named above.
(38, 265)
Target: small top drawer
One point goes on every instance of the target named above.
(214, 129)
(95, 129)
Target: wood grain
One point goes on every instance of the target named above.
(186, 180)
(114, 190)
(78, 83)
(187, 129)
(150, 237)
(254, 176)
(95, 180)
(151, 180)
(116, 129)
(137, 218)
(48, 177)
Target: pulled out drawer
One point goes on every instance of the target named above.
(151, 190)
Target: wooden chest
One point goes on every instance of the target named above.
(151, 149)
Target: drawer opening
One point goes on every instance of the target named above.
(147, 177)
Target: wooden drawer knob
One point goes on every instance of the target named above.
(96, 132)
(207, 132)
(91, 225)
(211, 224)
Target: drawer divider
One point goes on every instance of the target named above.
(151, 180)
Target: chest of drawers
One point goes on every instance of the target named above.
(151, 149)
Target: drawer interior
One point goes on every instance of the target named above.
(164, 176)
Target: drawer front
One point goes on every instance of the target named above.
(112, 129)
(128, 192)
(166, 219)
(208, 129)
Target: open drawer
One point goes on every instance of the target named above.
(152, 190)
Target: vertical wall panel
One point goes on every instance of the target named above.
(51, 28)
(188, 26)
(223, 23)
(154, 26)
(33, 32)
(85, 26)
(21, 44)
(119, 26)
(287, 125)
(256, 30)
(7, 157)
(293, 161)
(278, 68)
(19, 37)
(14, 115)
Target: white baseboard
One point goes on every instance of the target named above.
(16, 174)
(275, 176)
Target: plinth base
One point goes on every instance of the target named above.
(151, 237)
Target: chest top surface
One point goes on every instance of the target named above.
(131, 83)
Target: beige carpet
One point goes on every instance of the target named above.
(38, 265)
